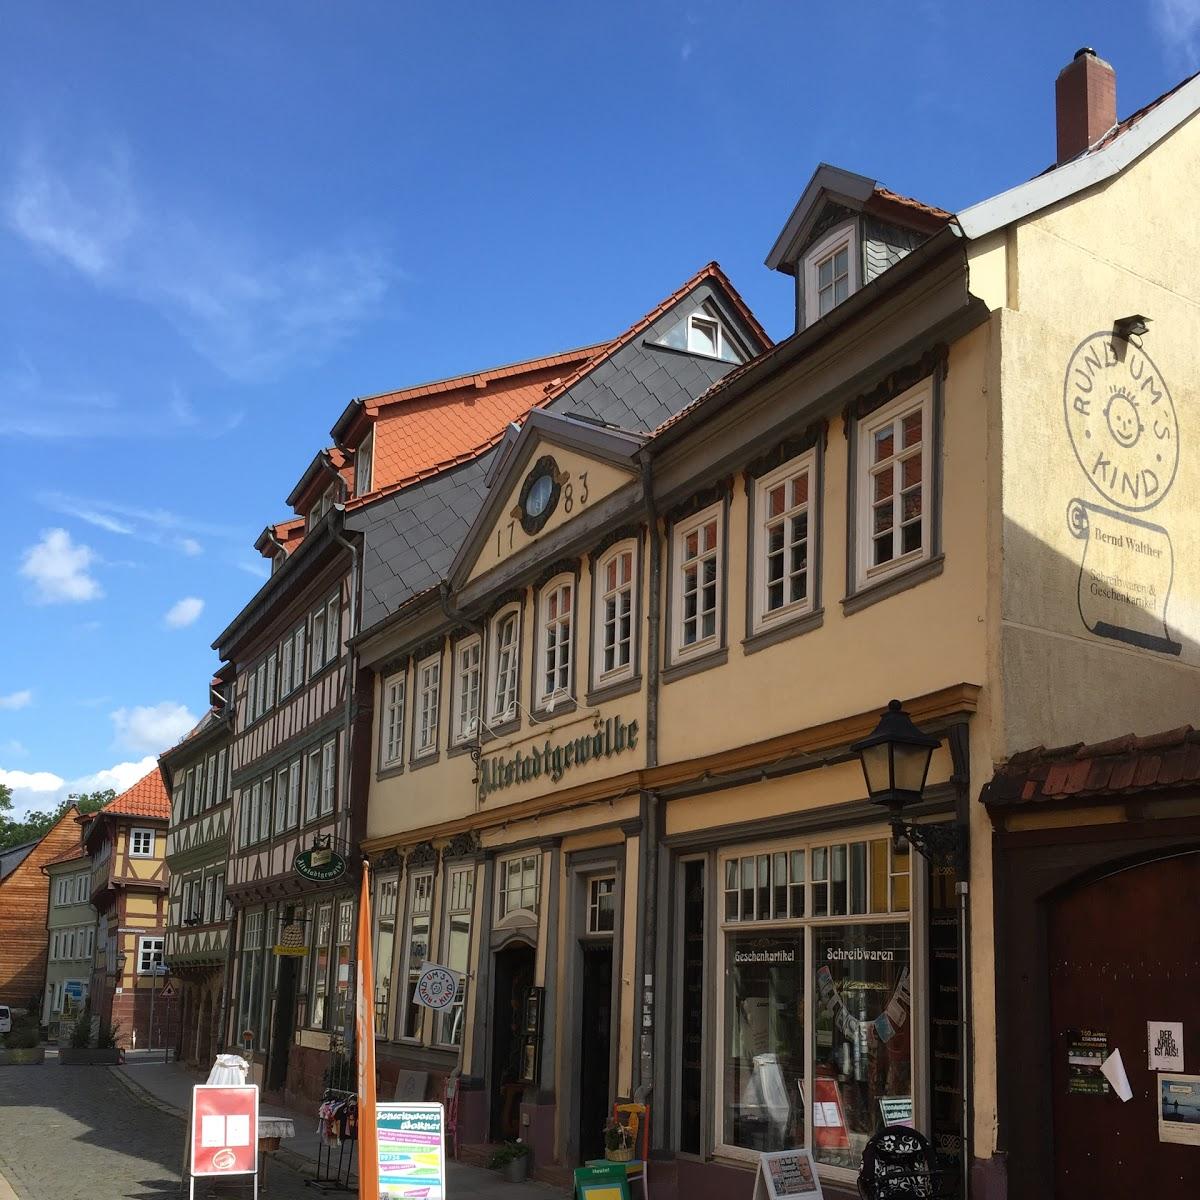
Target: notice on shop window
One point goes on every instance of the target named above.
(786, 1173)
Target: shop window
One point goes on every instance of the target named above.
(342, 955)
(556, 616)
(519, 886)
(416, 950)
(601, 909)
(391, 722)
(893, 510)
(385, 947)
(456, 948)
(616, 615)
(861, 1034)
(696, 619)
(429, 692)
(252, 977)
(319, 983)
(505, 666)
(782, 540)
(467, 673)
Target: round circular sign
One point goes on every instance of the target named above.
(1121, 421)
(436, 987)
(328, 867)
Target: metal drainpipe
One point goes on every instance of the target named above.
(650, 800)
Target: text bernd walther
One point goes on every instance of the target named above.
(615, 737)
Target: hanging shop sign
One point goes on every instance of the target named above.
(553, 761)
(784, 1173)
(412, 1150)
(224, 1130)
(436, 987)
(320, 864)
(291, 941)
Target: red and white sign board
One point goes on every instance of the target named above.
(224, 1130)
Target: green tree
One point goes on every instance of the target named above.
(36, 824)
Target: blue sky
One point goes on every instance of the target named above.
(221, 222)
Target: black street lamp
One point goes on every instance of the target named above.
(895, 761)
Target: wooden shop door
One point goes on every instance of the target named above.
(1123, 950)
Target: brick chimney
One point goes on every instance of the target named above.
(1085, 100)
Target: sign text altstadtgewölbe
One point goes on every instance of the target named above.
(553, 760)
(334, 866)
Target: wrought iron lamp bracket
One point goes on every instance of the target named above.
(942, 843)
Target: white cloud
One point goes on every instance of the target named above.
(17, 699)
(123, 775)
(183, 612)
(58, 569)
(27, 781)
(151, 728)
(190, 547)
(250, 311)
(1178, 25)
(45, 790)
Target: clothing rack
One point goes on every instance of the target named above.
(331, 1177)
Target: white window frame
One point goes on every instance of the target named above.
(551, 647)
(285, 666)
(299, 676)
(81, 888)
(504, 700)
(426, 715)
(458, 900)
(917, 398)
(843, 236)
(333, 629)
(468, 683)
(295, 769)
(424, 880)
(762, 617)
(519, 912)
(148, 946)
(600, 597)
(679, 536)
(328, 776)
(316, 647)
(364, 465)
(594, 908)
(393, 700)
(312, 784)
(134, 835)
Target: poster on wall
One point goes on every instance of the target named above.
(1179, 1109)
(1164, 1041)
(1086, 1051)
(783, 1173)
(412, 1151)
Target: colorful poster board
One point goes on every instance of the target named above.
(1086, 1051)
(602, 1181)
(412, 1150)
(224, 1130)
(785, 1173)
(1179, 1109)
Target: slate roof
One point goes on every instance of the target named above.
(147, 798)
(1123, 766)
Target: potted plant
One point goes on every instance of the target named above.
(512, 1161)
(81, 1052)
(618, 1141)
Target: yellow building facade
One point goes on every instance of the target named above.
(611, 777)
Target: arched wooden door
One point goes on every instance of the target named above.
(1123, 950)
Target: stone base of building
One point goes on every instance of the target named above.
(198, 1039)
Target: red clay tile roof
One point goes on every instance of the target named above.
(67, 856)
(1119, 767)
(458, 435)
(887, 196)
(147, 798)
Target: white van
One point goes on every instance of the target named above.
(5, 1019)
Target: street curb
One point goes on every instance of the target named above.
(289, 1158)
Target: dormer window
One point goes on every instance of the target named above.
(705, 331)
(830, 272)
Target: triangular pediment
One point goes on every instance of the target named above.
(550, 472)
(704, 331)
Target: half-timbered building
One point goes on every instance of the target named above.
(126, 842)
(196, 774)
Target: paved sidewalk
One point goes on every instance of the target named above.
(168, 1086)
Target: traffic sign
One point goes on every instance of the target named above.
(168, 990)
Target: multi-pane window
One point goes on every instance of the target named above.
(210, 781)
(293, 794)
(615, 604)
(272, 677)
(456, 948)
(833, 279)
(467, 674)
(264, 812)
(317, 650)
(391, 734)
(247, 819)
(281, 808)
(429, 687)
(150, 952)
(506, 642)
(893, 485)
(342, 988)
(328, 776)
(698, 583)
(557, 614)
(416, 948)
(221, 792)
(364, 463)
(519, 884)
(783, 532)
(333, 629)
(285, 667)
(320, 967)
(298, 657)
(141, 843)
(387, 891)
(260, 684)
(251, 696)
(312, 785)
(601, 910)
